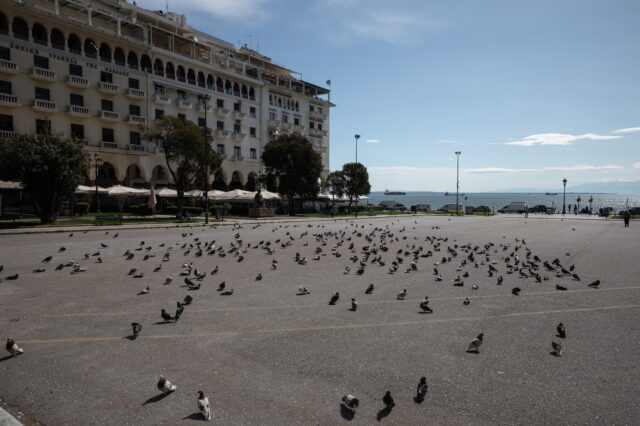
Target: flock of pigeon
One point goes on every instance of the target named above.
(363, 248)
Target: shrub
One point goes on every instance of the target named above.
(141, 209)
(82, 208)
(191, 211)
(482, 209)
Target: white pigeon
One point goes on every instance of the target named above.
(474, 346)
(165, 386)
(203, 406)
(13, 348)
(402, 294)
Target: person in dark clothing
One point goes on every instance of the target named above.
(626, 216)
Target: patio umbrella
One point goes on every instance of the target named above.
(214, 194)
(268, 195)
(196, 193)
(122, 192)
(83, 189)
(236, 195)
(166, 192)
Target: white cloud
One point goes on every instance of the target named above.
(574, 168)
(228, 9)
(559, 139)
(628, 130)
(387, 26)
(373, 140)
(636, 166)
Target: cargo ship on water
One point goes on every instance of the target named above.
(387, 192)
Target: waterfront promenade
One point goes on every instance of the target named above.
(266, 356)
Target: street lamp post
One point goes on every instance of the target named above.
(98, 164)
(357, 136)
(564, 195)
(205, 101)
(457, 180)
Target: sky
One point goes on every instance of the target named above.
(530, 92)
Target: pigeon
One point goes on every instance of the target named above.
(168, 280)
(259, 277)
(388, 401)
(369, 289)
(61, 249)
(187, 300)
(179, 311)
(560, 287)
(12, 277)
(13, 348)
(203, 406)
(575, 277)
(595, 284)
(351, 402)
(47, 259)
(334, 298)
(557, 348)
(166, 316)
(138, 275)
(500, 280)
(165, 386)
(222, 286)
(132, 271)
(474, 346)
(421, 392)
(302, 290)
(424, 305)
(561, 331)
(136, 328)
(354, 304)
(227, 292)
(402, 294)
(145, 291)
(466, 301)
(39, 270)
(474, 287)
(515, 291)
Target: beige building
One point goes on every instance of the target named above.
(100, 69)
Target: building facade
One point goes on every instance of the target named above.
(103, 70)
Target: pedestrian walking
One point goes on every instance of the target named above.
(626, 216)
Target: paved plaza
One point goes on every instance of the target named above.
(265, 356)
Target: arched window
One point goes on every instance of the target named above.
(280, 102)
(181, 75)
(145, 64)
(158, 68)
(20, 28)
(57, 39)
(201, 79)
(105, 52)
(219, 181)
(211, 85)
(132, 60)
(74, 44)
(227, 87)
(252, 94)
(219, 85)
(191, 76)
(90, 48)
(236, 181)
(251, 182)
(39, 34)
(297, 106)
(118, 56)
(245, 93)
(270, 99)
(170, 71)
(4, 24)
(236, 89)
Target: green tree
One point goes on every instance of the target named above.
(49, 166)
(336, 185)
(292, 162)
(356, 179)
(184, 152)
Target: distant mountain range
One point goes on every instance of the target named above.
(590, 187)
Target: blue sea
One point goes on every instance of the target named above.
(499, 200)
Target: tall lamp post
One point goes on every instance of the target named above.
(564, 195)
(357, 136)
(457, 181)
(98, 162)
(205, 102)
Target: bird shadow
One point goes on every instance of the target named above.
(554, 353)
(156, 398)
(8, 357)
(164, 322)
(346, 412)
(383, 413)
(195, 416)
(418, 400)
(131, 337)
(425, 312)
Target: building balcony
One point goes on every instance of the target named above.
(315, 133)
(79, 111)
(108, 116)
(108, 145)
(238, 115)
(184, 104)
(137, 147)
(238, 137)
(79, 82)
(8, 67)
(237, 158)
(9, 100)
(221, 134)
(108, 88)
(201, 108)
(136, 120)
(161, 99)
(273, 124)
(222, 112)
(44, 106)
(43, 74)
(299, 128)
(7, 134)
(136, 94)
(222, 156)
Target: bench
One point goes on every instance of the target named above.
(109, 218)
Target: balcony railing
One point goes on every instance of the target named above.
(79, 111)
(7, 134)
(184, 104)
(136, 120)
(162, 99)
(237, 158)
(238, 137)
(44, 106)
(9, 67)
(79, 82)
(109, 115)
(222, 112)
(137, 147)
(221, 134)
(108, 88)
(108, 145)
(201, 108)
(43, 74)
(9, 100)
(239, 114)
(136, 94)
